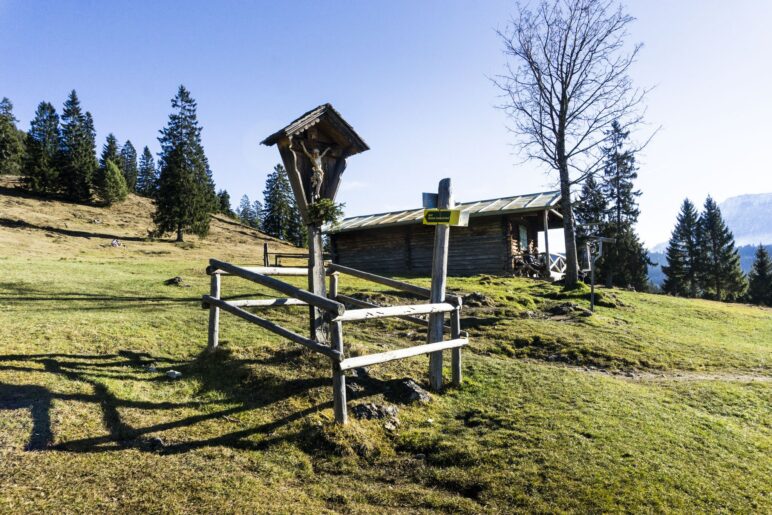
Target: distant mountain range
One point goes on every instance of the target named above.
(750, 219)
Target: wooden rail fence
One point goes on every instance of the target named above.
(335, 313)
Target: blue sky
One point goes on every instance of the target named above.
(411, 76)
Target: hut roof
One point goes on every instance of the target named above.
(326, 115)
(491, 207)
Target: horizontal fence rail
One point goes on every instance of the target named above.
(383, 357)
(387, 281)
(364, 304)
(315, 300)
(261, 303)
(394, 311)
(268, 270)
(275, 328)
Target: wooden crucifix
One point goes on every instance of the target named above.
(314, 149)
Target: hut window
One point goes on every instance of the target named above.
(523, 237)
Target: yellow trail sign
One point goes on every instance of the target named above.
(446, 217)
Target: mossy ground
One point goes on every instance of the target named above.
(655, 405)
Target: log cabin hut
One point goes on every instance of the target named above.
(499, 231)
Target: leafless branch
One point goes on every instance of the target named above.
(565, 82)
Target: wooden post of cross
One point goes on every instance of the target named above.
(314, 149)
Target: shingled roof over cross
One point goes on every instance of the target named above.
(326, 116)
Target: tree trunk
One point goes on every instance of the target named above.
(569, 228)
(179, 233)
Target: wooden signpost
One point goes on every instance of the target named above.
(443, 216)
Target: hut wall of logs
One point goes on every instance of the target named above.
(490, 244)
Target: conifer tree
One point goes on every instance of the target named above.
(257, 210)
(41, 173)
(224, 203)
(590, 212)
(147, 175)
(185, 197)
(720, 272)
(619, 172)
(277, 204)
(110, 151)
(683, 255)
(110, 184)
(11, 140)
(625, 261)
(760, 278)
(77, 151)
(298, 232)
(591, 206)
(128, 165)
(244, 211)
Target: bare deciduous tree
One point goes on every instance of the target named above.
(566, 81)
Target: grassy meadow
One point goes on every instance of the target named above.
(653, 404)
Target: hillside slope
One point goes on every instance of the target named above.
(652, 404)
(34, 226)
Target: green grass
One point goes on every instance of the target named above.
(547, 419)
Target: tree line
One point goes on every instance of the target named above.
(703, 261)
(57, 156)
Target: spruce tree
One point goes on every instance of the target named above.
(147, 175)
(41, 173)
(625, 262)
(245, 213)
(128, 165)
(77, 151)
(11, 141)
(590, 211)
(110, 184)
(720, 272)
(110, 151)
(297, 232)
(277, 204)
(682, 276)
(257, 210)
(185, 197)
(224, 203)
(760, 278)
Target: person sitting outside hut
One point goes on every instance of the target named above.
(529, 264)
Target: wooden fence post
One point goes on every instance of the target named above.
(214, 313)
(439, 281)
(265, 254)
(338, 376)
(455, 333)
(333, 293)
(547, 261)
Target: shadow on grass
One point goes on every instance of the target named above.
(14, 292)
(21, 224)
(244, 391)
